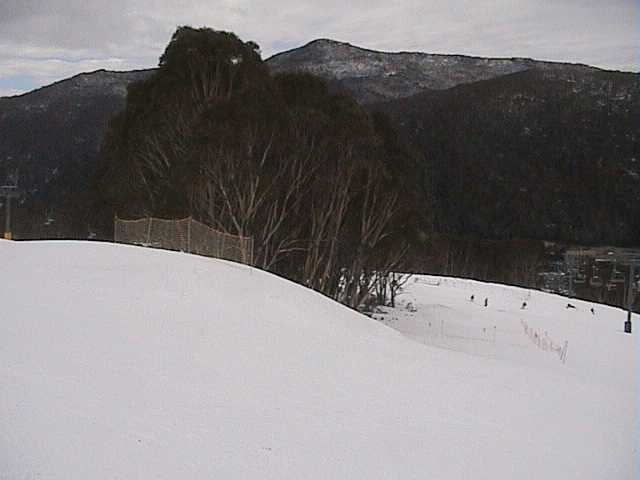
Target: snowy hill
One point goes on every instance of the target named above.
(122, 362)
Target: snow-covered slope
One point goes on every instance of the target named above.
(122, 362)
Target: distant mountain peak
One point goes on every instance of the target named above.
(328, 42)
(374, 76)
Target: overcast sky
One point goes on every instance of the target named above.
(42, 41)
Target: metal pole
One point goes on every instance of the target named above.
(7, 219)
(627, 324)
(630, 286)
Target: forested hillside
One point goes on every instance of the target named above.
(49, 144)
(513, 147)
(545, 153)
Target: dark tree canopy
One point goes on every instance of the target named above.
(326, 189)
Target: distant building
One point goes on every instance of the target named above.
(603, 274)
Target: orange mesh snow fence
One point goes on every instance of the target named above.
(186, 235)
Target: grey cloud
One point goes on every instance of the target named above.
(50, 39)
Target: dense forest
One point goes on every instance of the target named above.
(548, 153)
(326, 189)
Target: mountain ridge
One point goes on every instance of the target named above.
(436, 54)
(52, 135)
(373, 76)
(529, 61)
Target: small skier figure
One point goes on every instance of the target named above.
(472, 298)
(524, 305)
(486, 302)
(570, 306)
(593, 312)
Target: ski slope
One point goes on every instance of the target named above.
(438, 311)
(123, 362)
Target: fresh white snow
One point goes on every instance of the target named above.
(124, 362)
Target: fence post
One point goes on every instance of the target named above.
(245, 250)
(149, 232)
(189, 234)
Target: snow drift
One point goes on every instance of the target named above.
(124, 362)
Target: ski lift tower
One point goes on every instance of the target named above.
(8, 192)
